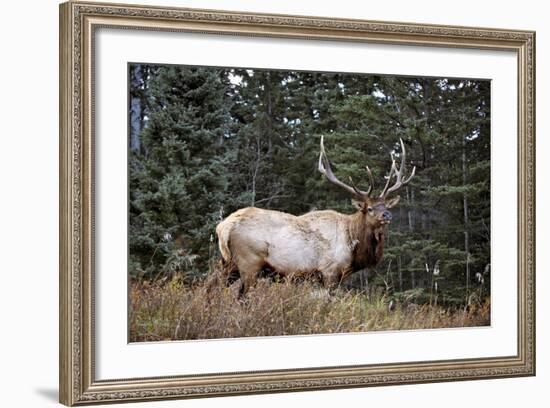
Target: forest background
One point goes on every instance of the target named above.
(206, 141)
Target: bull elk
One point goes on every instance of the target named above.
(325, 243)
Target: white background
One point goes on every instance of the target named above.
(117, 359)
(28, 204)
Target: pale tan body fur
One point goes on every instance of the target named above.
(317, 242)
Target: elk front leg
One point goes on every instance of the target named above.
(331, 279)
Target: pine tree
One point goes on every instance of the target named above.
(179, 184)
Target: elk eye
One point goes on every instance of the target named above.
(369, 209)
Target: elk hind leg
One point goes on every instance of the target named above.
(249, 269)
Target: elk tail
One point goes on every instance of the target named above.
(223, 230)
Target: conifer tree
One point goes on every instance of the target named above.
(216, 140)
(179, 183)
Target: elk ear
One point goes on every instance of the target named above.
(360, 205)
(392, 202)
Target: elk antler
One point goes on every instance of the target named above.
(399, 182)
(324, 168)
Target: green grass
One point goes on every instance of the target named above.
(175, 311)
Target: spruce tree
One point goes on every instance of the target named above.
(179, 183)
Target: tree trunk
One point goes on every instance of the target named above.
(136, 108)
(410, 219)
(400, 272)
(410, 210)
(269, 111)
(256, 169)
(466, 217)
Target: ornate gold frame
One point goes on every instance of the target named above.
(77, 24)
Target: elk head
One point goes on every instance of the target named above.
(375, 209)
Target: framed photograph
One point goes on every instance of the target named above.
(256, 203)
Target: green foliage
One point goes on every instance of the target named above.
(179, 183)
(215, 140)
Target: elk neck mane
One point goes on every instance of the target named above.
(369, 246)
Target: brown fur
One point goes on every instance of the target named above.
(370, 242)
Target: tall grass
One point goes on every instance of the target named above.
(175, 311)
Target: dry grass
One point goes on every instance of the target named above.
(174, 311)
